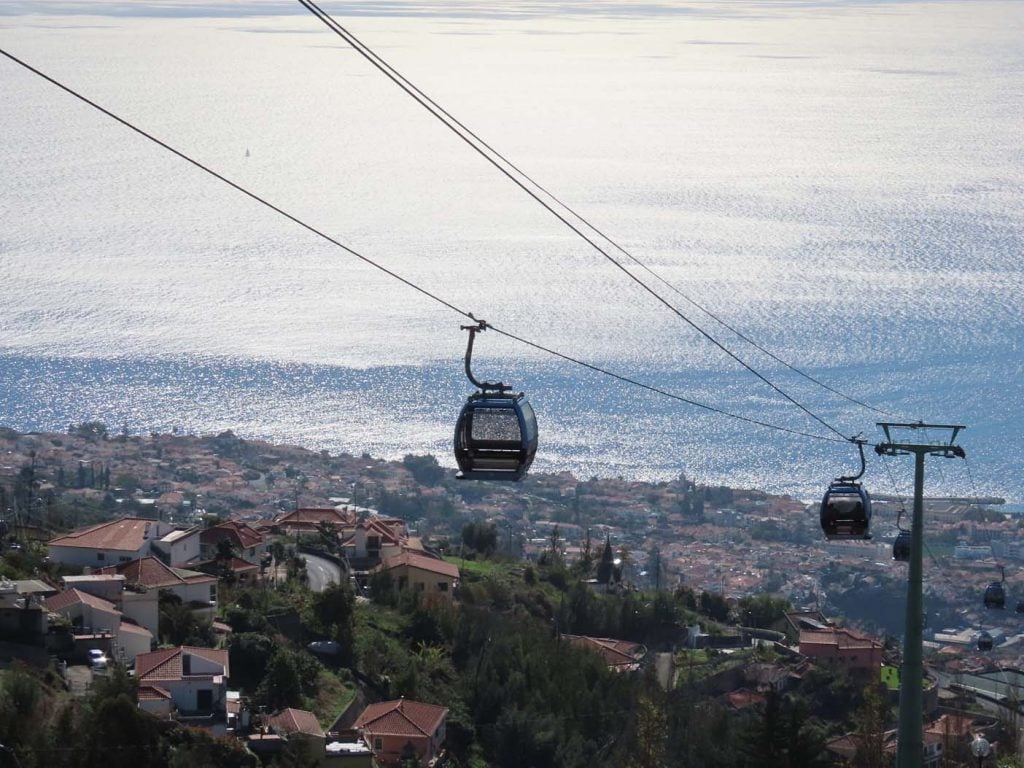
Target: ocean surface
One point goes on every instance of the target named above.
(841, 181)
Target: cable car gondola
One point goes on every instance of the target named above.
(984, 641)
(995, 595)
(901, 547)
(846, 506)
(901, 544)
(496, 434)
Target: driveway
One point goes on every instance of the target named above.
(79, 679)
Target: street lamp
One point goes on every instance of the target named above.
(980, 748)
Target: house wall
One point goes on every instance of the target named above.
(185, 693)
(313, 751)
(424, 581)
(17, 622)
(855, 658)
(133, 644)
(158, 707)
(107, 587)
(178, 553)
(143, 608)
(251, 555)
(82, 557)
(391, 747)
(96, 619)
(199, 593)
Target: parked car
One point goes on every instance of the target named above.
(97, 659)
(325, 647)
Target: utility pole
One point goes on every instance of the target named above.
(910, 737)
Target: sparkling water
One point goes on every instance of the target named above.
(841, 181)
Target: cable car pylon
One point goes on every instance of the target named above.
(910, 736)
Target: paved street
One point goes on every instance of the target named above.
(321, 572)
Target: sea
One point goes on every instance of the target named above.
(838, 181)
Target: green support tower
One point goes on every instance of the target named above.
(910, 744)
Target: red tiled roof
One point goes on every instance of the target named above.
(127, 535)
(614, 652)
(744, 698)
(422, 562)
(401, 717)
(381, 528)
(70, 597)
(151, 572)
(134, 629)
(239, 534)
(152, 693)
(314, 516)
(236, 565)
(955, 725)
(296, 721)
(844, 639)
(166, 664)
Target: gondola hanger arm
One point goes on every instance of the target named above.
(483, 386)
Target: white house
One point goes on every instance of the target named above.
(421, 573)
(179, 547)
(191, 681)
(148, 576)
(246, 542)
(98, 623)
(110, 543)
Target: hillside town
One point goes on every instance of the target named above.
(305, 606)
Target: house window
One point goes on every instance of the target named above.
(204, 700)
(420, 586)
(442, 586)
(100, 556)
(378, 744)
(124, 558)
(213, 593)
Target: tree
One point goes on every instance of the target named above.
(480, 537)
(248, 653)
(762, 610)
(290, 676)
(197, 748)
(20, 699)
(714, 606)
(90, 430)
(120, 735)
(871, 719)
(179, 625)
(650, 734)
(607, 562)
(424, 469)
(334, 611)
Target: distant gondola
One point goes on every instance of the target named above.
(984, 641)
(496, 433)
(901, 547)
(995, 595)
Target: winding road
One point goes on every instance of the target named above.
(321, 572)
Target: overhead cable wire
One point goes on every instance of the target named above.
(467, 136)
(448, 117)
(405, 281)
